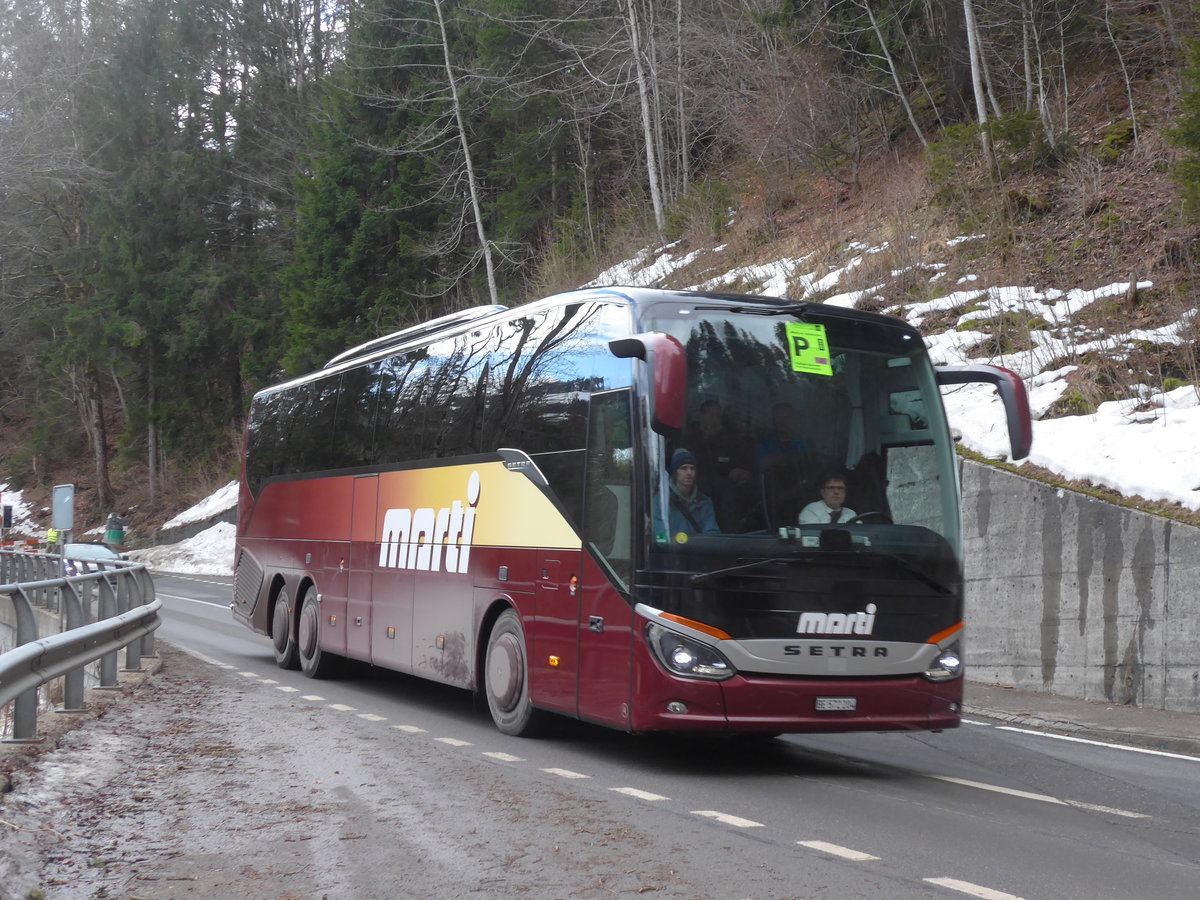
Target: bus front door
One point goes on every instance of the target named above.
(605, 615)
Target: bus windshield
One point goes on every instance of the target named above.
(809, 435)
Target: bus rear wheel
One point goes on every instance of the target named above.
(506, 678)
(314, 662)
(283, 637)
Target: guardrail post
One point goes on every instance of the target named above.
(25, 706)
(128, 596)
(145, 589)
(73, 681)
(107, 607)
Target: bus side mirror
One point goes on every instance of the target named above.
(668, 375)
(1012, 393)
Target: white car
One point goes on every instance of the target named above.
(79, 558)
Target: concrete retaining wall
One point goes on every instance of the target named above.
(1077, 597)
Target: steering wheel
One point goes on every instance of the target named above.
(874, 514)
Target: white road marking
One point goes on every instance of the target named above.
(220, 604)
(200, 656)
(726, 818)
(371, 717)
(187, 578)
(453, 742)
(342, 707)
(973, 890)
(836, 850)
(315, 697)
(504, 757)
(409, 729)
(640, 795)
(269, 681)
(288, 689)
(1041, 798)
(565, 773)
(249, 674)
(1077, 740)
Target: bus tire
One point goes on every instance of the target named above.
(506, 678)
(314, 662)
(283, 635)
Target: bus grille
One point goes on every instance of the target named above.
(247, 581)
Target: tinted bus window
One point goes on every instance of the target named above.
(354, 423)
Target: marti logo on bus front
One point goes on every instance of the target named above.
(415, 539)
(838, 623)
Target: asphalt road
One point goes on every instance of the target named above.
(977, 812)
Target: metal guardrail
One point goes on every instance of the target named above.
(108, 606)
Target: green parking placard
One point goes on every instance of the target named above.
(808, 348)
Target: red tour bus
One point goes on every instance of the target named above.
(601, 505)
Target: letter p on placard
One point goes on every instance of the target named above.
(808, 348)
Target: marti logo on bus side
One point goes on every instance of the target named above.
(416, 539)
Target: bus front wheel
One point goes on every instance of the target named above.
(506, 678)
(282, 635)
(314, 662)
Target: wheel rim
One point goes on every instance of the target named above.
(279, 625)
(506, 671)
(308, 630)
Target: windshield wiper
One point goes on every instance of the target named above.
(853, 556)
(791, 309)
(702, 577)
(913, 570)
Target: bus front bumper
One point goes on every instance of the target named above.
(758, 704)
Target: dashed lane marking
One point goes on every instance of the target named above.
(342, 707)
(316, 698)
(453, 742)
(640, 795)
(836, 850)
(726, 818)
(249, 674)
(565, 773)
(409, 729)
(504, 757)
(1041, 798)
(288, 689)
(971, 890)
(371, 717)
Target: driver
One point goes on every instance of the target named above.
(831, 508)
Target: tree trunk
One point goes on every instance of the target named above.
(1124, 71)
(652, 173)
(887, 55)
(485, 247)
(90, 403)
(974, 50)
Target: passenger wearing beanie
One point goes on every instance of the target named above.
(691, 511)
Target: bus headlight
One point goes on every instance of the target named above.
(947, 666)
(682, 655)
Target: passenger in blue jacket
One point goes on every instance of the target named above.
(691, 511)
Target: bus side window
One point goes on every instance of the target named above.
(608, 513)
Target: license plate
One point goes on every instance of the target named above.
(837, 704)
